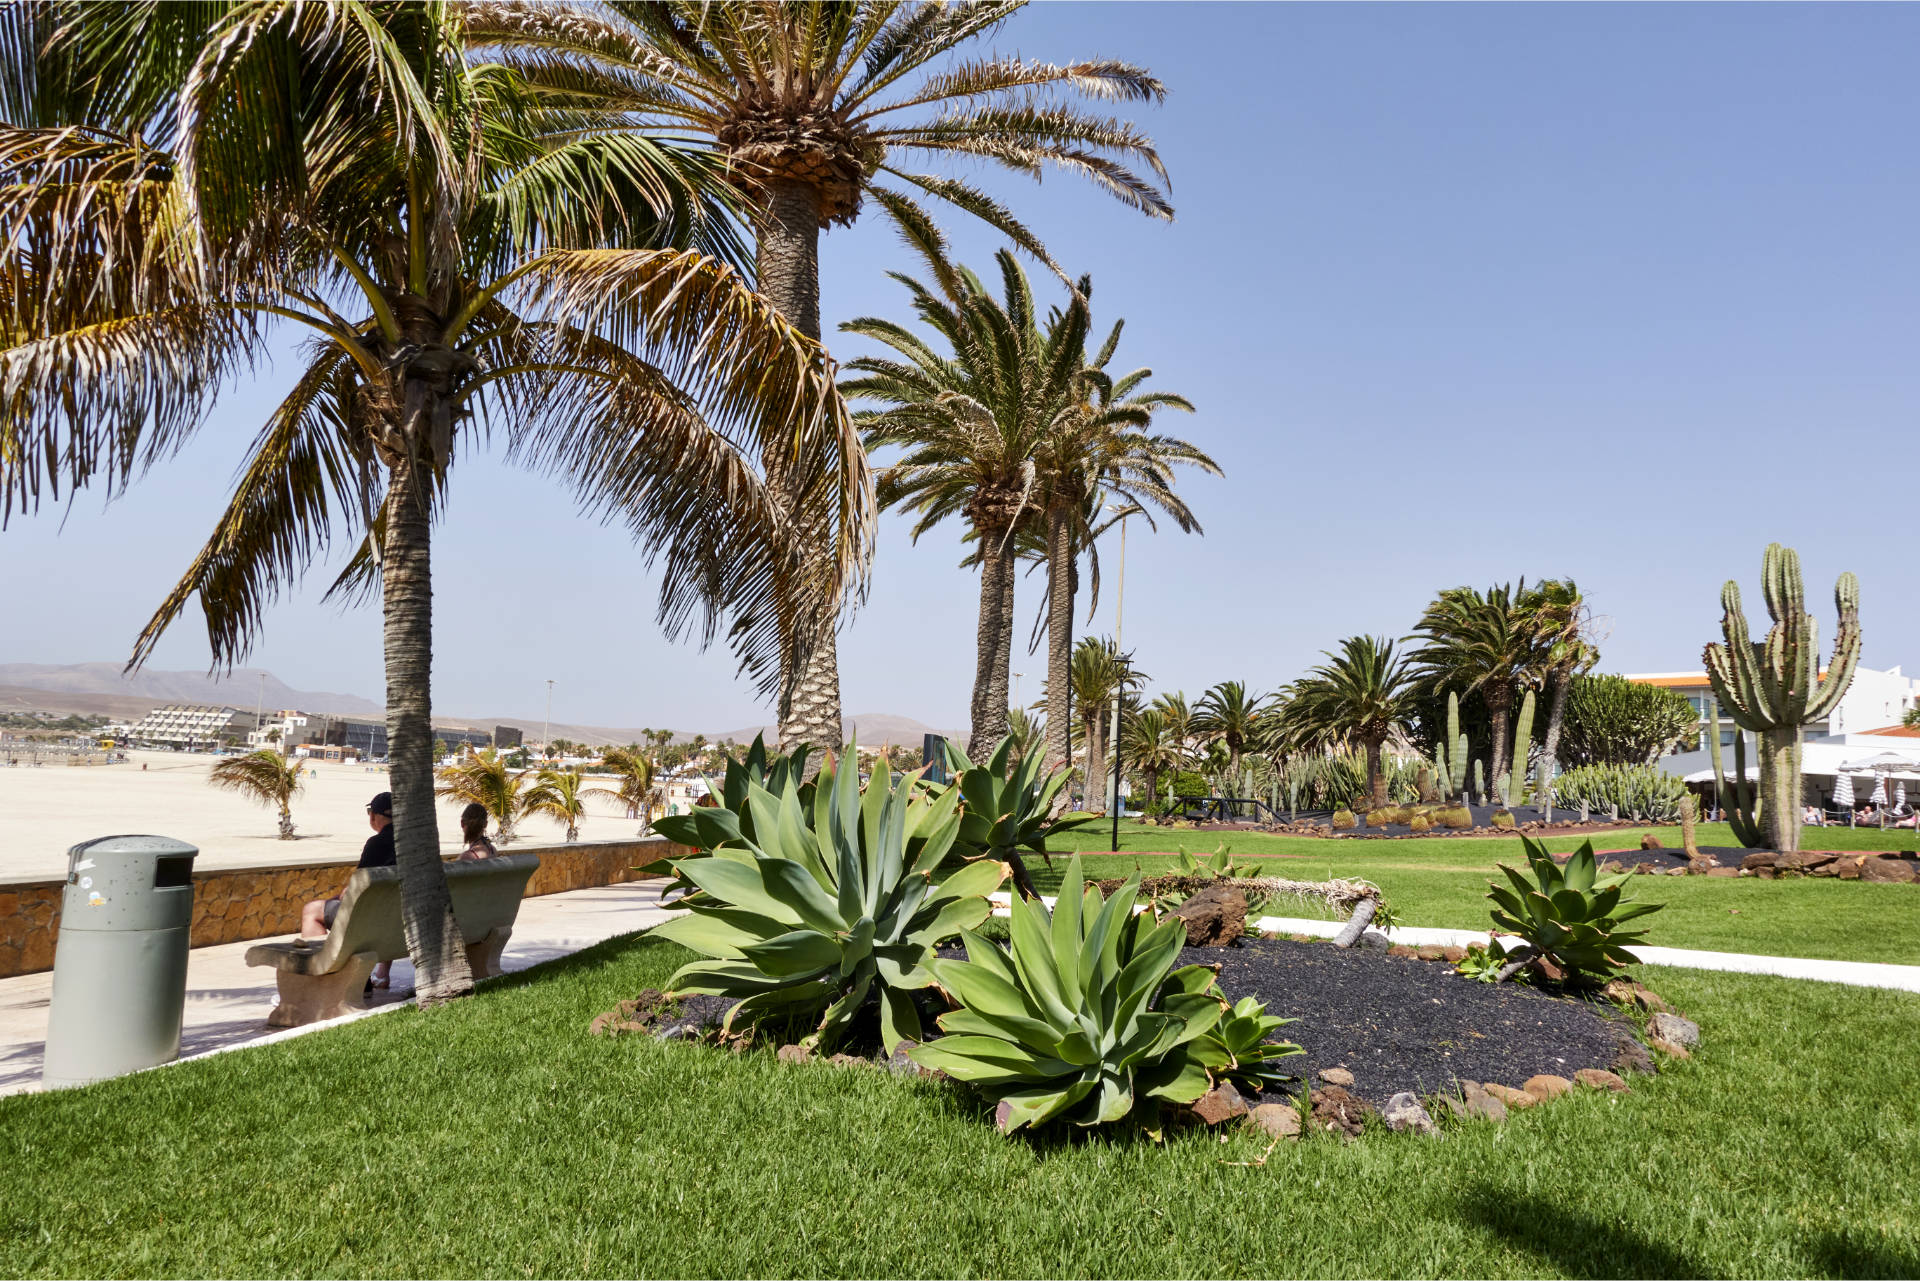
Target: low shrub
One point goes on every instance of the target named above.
(1343, 820)
(1188, 783)
(1570, 915)
(1642, 793)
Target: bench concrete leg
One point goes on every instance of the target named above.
(309, 998)
(483, 958)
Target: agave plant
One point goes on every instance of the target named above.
(1084, 1018)
(1569, 915)
(1009, 807)
(1237, 1049)
(826, 907)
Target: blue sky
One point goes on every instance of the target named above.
(1461, 292)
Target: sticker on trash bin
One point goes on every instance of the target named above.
(83, 865)
(86, 882)
(96, 899)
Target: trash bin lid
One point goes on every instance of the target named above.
(130, 845)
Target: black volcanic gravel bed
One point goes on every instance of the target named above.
(1402, 1024)
(1662, 859)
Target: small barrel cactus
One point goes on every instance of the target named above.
(1503, 820)
(1420, 823)
(1457, 817)
(1343, 820)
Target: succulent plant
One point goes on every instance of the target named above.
(1420, 823)
(1237, 1049)
(1503, 819)
(1482, 963)
(1513, 782)
(1641, 793)
(1343, 819)
(1739, 802)
(1380, 817)
(1776, 688)
(1457, 817)
(1450, 754)
(1009, 807)
(1084, 1018)
(1570, 915)
(830, 907)
(1218, 863)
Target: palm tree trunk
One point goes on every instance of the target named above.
(788, 265)
(1059, 639)
(1556, 714)
(1376, 777)
(426, 910)
(993, 650)
(1500, 760)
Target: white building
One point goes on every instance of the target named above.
(287, 729)
(1865, 724)
(190, 725)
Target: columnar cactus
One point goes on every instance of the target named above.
(1522, 740)
(1736, 796)
(1775, 687)
(1450, 754)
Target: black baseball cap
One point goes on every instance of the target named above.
(381, 804)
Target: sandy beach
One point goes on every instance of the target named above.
(45, 810)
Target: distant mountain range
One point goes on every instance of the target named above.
(100, 689)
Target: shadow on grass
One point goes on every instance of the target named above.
(1851, 1253)
(1565, 1239)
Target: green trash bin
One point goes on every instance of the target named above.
(120, 967)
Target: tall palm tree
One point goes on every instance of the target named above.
(485, 779)
(1484, 643)
(1229, 715)
(1362, 695)
(1563, 630)
(971, 420)
(1103, 454)
(264, 776)
(180, 184)
(637, 790)
(1179, 723)
(1148, 740)
(1098, 671)
(813, 108)
(558, 794)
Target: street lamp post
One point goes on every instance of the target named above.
(1119, 688)
(546, 724)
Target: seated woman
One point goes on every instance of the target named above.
(473, 830)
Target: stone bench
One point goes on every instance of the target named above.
(325, 978)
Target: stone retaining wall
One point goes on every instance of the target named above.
(235, 903)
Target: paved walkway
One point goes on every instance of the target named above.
(228, 1002)
(1903, 978)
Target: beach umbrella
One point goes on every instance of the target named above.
(1879, 796)
(1900, 794)
(1843, 791)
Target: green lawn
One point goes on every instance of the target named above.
(496, 1138)
(1442, 881)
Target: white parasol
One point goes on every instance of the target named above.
(1843, 791)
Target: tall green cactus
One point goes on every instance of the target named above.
(1775, 687)
(1450, 754)
(1522, 740)
(1738, 803)
(1478, 790)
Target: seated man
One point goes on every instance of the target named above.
(316, 918)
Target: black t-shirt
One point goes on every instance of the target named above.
(378, 851)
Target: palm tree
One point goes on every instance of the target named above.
(1179, 723)
(485, 779)
(809, 105)
(1480, 643)
(1103, 451)
(559, 795)
(264, 776)
(179, 185)
(1029, 730)
(1563, 629)
(1363, 695)
(971, 420)
(1150, 745)
(1227, 714)
(1098, 671)
(637, 790)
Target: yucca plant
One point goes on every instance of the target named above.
(265, 776)
(828, 907)
(1569, 915)
(1009, 807)
(1084, 1018)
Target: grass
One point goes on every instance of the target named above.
(494, 1137)
(1442, 882)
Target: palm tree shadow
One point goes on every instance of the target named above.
(1578, 1244)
